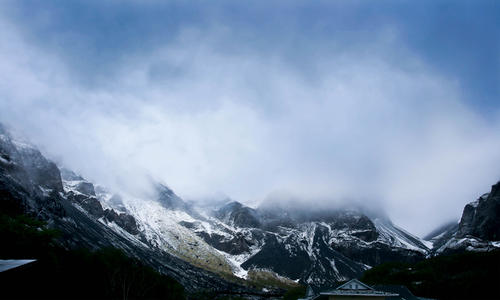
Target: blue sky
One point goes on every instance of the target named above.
(390, 103)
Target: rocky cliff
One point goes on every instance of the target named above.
(478, 229)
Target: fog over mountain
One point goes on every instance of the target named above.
(303, 112)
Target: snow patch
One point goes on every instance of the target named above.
(398, 237)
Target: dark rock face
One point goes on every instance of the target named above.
(94, 207)
(86, 198)
(239, 215)
(12, 196)
(86, 188)
(28, 184)
(481, 219)
(378, 253)
(46, 175)
(235, 246)
(38, 169)
(169, 199)
(123, 220)
(488, 216)
(366, 235)
(477, 230)
(274, 256)
(41, 171)
(321, 262)
(315, 260)
(189, 225)
(90, 204)
(82, 185)
(318, 247)
(466, 225)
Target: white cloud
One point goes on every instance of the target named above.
(358, 127)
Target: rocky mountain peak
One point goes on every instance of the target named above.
(3, 130)
(29, 164)
(239, 215)
(481, 218)
(168, 198)
(478, 229)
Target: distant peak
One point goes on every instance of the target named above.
(234, 204)
(3, 130)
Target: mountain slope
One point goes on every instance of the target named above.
(319, 249)
(31, 184)
(183, 240)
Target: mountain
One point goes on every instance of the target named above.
(86, 216)
(478, 229)
(309, 247)
(319, 248)
(199, 246)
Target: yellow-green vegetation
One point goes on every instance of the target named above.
(194, 250)
(266, 278)
(205, 260)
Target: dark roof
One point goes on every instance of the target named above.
(403, 291)
(7, 264)
(358, 285)
(355, 287)
(371, 293)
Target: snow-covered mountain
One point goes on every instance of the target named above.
(89, 217)
(309, 247)
(201, 245)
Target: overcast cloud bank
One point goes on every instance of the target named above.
(370, 122)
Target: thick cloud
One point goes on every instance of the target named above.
(214, 108)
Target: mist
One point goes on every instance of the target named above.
(208, 113)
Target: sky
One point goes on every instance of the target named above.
(393, 104)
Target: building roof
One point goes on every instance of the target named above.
(7, 264)
(358, 293)
(354, 284)
(355, 287)
(403, 291)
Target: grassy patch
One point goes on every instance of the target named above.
(265, 278)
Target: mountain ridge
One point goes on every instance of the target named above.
(24, 191)
(231, 241)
